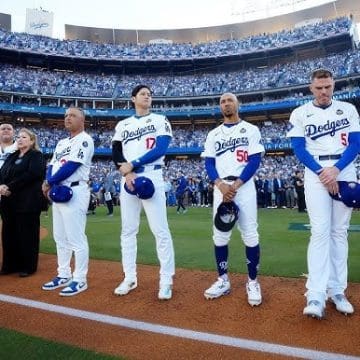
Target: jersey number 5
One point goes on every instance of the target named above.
(150, 142)
(344, 139)
(242, 155)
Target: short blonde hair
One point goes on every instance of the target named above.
(33, 137)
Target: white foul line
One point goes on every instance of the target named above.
(181, 333)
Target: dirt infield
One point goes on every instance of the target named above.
(278, 320)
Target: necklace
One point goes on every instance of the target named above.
(227, 130)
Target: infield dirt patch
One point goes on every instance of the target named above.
(278, 320)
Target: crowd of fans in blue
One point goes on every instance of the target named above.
(276, 176)
(81, 48)
(45, 82)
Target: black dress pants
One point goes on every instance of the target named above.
(20, 242)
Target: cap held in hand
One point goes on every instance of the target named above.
(143, 188)
(226, 216)
(349, 193)
(60, 193)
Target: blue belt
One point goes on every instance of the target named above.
(141, 169)
(329, 157)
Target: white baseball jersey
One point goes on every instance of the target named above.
(325, 130)
(4, 153)
(138, 135)
(231, 147)
(80, 149)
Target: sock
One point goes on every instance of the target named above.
(221, 256)
(252, 260)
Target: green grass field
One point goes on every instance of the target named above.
(17, 346)
(283, 251)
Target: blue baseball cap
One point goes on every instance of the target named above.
(60, 193)
(226, 216)
(349, 193)
(143, 188)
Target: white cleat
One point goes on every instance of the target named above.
(314, 309)
(125, 287)
(219, 288)
(342, 304)
(253, 292)
(165, 292)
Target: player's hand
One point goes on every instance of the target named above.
(129, 179)
(227, 191)
(333, 188)
(328, 175)
(236, 184)
(126, 168)
(45, 187)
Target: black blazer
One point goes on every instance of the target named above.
(24, 177)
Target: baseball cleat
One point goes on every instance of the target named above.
(125, 287)
(56, 282)
(219, 288)
(314, 309)
(253, 291)
(74, 288)
(165, 292)
(342, 304)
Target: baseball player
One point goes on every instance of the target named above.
(232, 156)
(325, 134)
(139, 146)
(7, 143)
(70, 166)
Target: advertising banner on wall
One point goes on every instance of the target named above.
(39, 22)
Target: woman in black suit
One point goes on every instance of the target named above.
(21, 178)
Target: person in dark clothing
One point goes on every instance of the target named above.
(181, 187)
(299, 188)
(21, 203)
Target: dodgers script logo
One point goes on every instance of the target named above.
(329, 128)
(62, 153)
(137, 134)
(230, 145)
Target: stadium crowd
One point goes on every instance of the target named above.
(45, 82)
(82, 48)
(183, 137)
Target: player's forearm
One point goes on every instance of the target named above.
(251, 167)
(211, 170)
(64, 172)
(162, 144)
(298, 144)
(117, 153)
(349, 155)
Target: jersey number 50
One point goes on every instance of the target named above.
(242, 155)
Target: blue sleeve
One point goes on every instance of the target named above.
(211, 169)
(63, 173)
(48, 172)
(162, 143)
(298, 144)
(251, 167)
(351, 151)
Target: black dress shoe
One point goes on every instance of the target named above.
(4, 272)
(23, 274)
